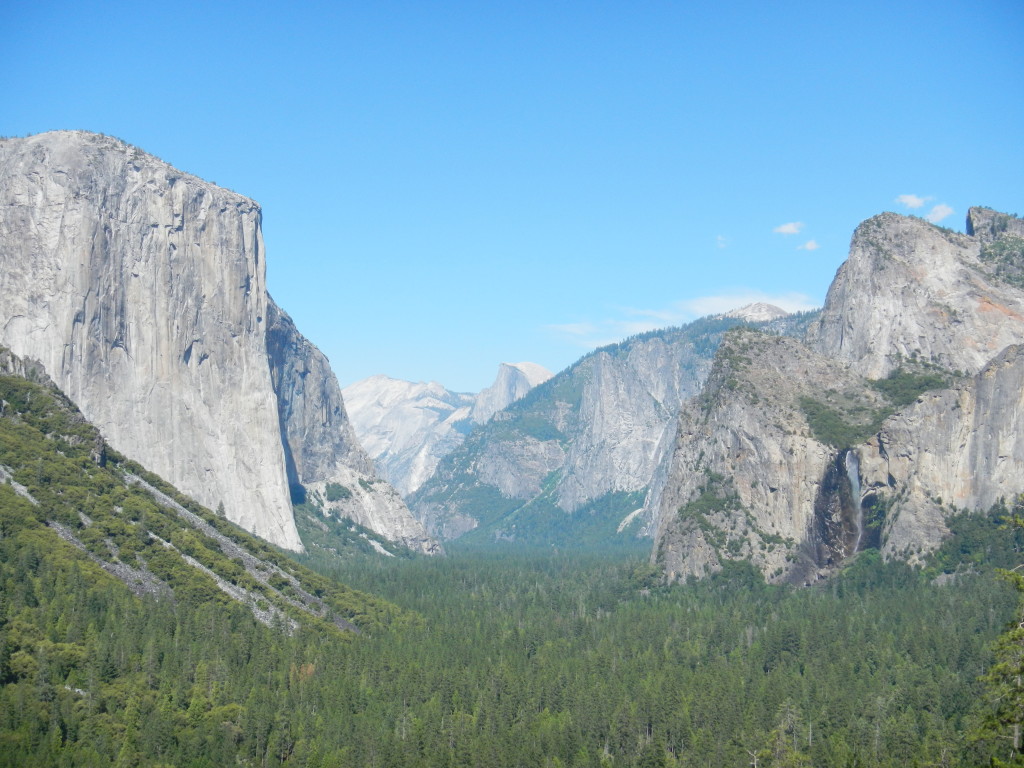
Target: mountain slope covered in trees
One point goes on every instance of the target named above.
(570, 462)
(123, 641)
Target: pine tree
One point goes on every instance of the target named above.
(1005, 679)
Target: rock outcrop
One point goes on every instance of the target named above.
(796, 456)
(320, 444)
(956, 449)
(749, 477)
(758, 312)
(141, 290)
(513, 381)
(910, 289)
(407, 427)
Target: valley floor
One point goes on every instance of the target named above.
(512, 659)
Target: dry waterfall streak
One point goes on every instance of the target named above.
(852, 463)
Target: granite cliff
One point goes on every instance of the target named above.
(320, 445)
(956, 449)
(902, 407)
(912, 289)
(141, 291)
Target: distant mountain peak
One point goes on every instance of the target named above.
(512, 382)
(758, 312)
(407, 427)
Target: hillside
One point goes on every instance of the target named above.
(407, 427)
(572, 460)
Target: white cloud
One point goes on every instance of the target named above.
(790, 228)
(722, 241)
(810, 245)
(938, 213)
(912, 201)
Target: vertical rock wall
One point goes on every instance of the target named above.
(141, 290)
(320, 444)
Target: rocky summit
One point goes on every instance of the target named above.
(141, 291)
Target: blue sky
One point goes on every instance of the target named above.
(446, 186)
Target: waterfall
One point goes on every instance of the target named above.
(852, 463)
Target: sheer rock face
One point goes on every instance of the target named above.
(910, 288)
(320, 444)
(959, 448)
(749, 480)
(625, 405)
(141, 290)
(746, 472)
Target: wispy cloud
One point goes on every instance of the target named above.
(722, 241)
(938, 213)
(630, 321)
(790, 228)
(810, 245)
(912, 201)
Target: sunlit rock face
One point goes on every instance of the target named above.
(750, 478)
(141, 290)
(956, 449)
(912, 289)
(594, 433)
(513, 381)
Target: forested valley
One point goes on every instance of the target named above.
(482, 658)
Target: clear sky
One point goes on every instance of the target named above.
(449, 185)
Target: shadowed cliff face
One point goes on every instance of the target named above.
(141, 290)
(320, 445)
(838, 528)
